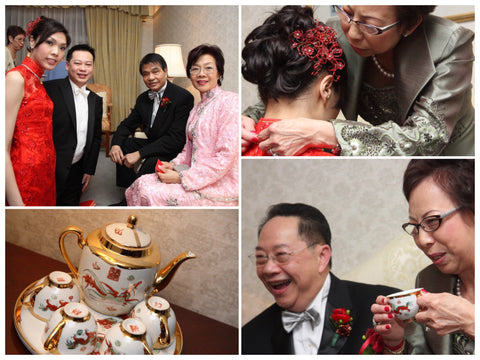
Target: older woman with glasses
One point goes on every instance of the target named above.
(409, 77)
(205, 173)
(442, 223)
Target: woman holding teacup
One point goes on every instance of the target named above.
(440, 194)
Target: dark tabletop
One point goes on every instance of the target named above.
(22, 268)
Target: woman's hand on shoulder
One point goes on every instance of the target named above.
(248, 133)
(387, 325)
(290, 137)
(446, 313)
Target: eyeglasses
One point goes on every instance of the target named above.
(281, 258)
(365, 28)
(195, 70)
(428, 224)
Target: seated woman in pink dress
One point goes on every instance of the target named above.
(299, 68)
(205, 173)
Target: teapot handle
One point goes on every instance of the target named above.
(80, 241)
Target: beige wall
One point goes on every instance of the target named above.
(363, 203)
(207, 285)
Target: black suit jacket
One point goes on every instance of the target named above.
(65, 129)
(167, 136)
(265, 333)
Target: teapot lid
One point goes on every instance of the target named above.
(126, 235)
(125, 245)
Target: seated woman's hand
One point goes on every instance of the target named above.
(446, 313)
(169, 176)
(388, 326)
(290, 137)
(248, 133)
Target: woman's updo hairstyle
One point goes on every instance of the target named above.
(42, 27)
(272, 63)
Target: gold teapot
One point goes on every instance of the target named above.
(119, 266)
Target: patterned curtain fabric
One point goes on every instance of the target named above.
(116, 33)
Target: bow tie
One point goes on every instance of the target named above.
(291, 319)
(82, 91)
(153, 94)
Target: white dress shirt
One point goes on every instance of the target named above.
(81, 111)
(156, 103)
(306, 340)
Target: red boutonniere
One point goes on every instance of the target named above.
(373, 343)
(164, 103)
(342, 320)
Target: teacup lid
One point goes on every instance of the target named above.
(134, 327)
(157, 304)
(60, 279)
(77, 311)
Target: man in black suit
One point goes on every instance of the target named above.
(293, 260)
(77, 125)
(162, 111)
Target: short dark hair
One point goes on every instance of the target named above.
(312, 226)
(80, 47)
(455, 177)
(408, 14)
(46, 27)
(275, 66)
(153, 58)
(14, 30)
(212, 50)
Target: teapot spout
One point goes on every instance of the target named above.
(165, 275)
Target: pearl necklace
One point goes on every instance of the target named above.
(381, 69)
(457, 288)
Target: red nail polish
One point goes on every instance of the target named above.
(390, 315)
(384, 301)
(387, 308)
(388, 327)
(424, 291)
(255, 139)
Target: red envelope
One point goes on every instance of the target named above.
(157, 167)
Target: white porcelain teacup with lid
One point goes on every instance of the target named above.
(71, 329)
(55, 291)
(157, 315)
(126, 338)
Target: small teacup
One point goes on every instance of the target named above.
(57, 290)
(157, 315)
(71, 330)
(126, 338)
(404, 304)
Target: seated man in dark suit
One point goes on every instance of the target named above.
(293, 259)
(162, 111)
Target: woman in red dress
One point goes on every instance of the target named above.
(299, 67)
(29, 150)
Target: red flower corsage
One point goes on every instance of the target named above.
(31, 25)
(373, 343)
(342, 320)
(164, 103)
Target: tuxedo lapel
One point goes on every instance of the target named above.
(69, 101)
(91, 118)
(161, 112)
(282, 342)
(338, 297)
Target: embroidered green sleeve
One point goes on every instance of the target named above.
(420, 135)
(255, 112)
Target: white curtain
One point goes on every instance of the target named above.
(73, 17)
